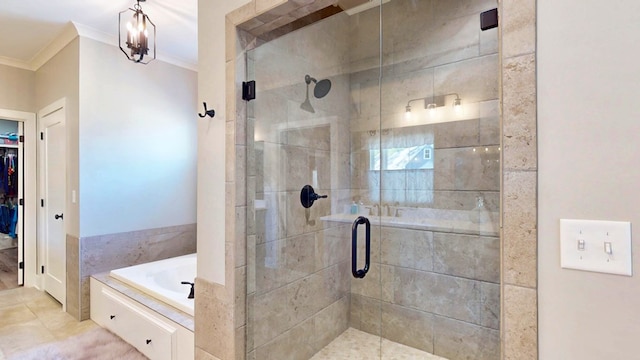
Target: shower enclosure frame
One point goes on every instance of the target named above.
(518, 186)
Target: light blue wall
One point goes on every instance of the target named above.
(8, 126)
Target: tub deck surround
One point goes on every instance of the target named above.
(96, 254)
(163, 280)
(518, 313)
(171, 313)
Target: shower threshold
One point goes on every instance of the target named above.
(358, 345)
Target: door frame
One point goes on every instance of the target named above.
(29, 236)
(58, 105)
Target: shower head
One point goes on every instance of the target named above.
(321, 88)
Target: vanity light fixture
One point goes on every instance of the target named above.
(139, 31)
(431, 103)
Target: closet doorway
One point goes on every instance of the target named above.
(11, 214)
(17, 199)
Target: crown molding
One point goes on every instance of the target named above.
(67, 35)
(14, 63)
(72, 30)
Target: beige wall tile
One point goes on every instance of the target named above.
(407, 248)
(203, 355)
(456, 339)
(270, 316)
(243, 13)
(520, 323)
(518, 23)
(230, 216)
(214, 325)
(472, 257)
(490, 305)
(240, 240)
(365, 314)
(474, 80)
(240, 315)
(519, 229)
(519, 108)
(448, 296)
(73, 276)
(241, 351)
(450, 163)
(330, 323)
(408, 326)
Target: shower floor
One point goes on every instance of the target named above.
(358, 345)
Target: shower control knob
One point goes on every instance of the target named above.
(308, 196)
(112, 317)
(61, 216)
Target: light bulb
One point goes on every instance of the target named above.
(431, 108)
(457, 105)
(129, 26)
(407, 114)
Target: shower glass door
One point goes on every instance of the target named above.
(382, 119)
(308, 193)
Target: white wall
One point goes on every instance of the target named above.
(589, 131)
(137, 142)
(211, 137)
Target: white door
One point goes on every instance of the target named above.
(20, 210)
(53, 195)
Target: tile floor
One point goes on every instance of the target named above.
(29, 317)
(8, 268)
(357, 345)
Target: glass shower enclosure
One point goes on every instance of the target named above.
(373, 155)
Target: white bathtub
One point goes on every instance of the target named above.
(161, 280)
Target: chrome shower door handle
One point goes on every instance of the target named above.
(360, 273)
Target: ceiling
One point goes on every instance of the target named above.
(28, 26)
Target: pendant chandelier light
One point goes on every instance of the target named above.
(141, 32)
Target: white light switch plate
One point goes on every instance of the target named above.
(596, 237)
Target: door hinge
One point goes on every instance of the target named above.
(21, 202)
(42, 269)
(248, 90)
(41, 202)
(41, 136)
(21, 265)
(21, 138)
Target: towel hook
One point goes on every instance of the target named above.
(210, 112)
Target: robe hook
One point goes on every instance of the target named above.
(210, 112)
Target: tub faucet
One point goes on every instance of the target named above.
(190, 292)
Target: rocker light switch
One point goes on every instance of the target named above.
(607, 248)
(599, 246)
